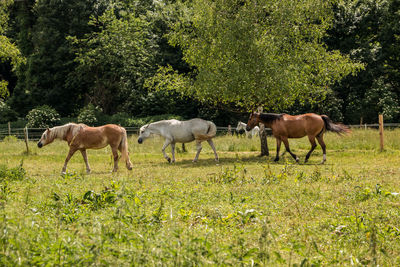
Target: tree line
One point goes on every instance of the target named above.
(201, 58)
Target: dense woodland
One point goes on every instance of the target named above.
(201, 58)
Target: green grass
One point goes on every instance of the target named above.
(243, 210)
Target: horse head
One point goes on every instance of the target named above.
(45, 139)
(253, 121)
(144, 133)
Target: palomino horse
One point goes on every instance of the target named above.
(249, 134)
(286, 126)
(81, 137)
(175, 131)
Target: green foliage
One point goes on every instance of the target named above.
(368, 31)
(117, 58)
(42, 117)
(12, 174)
(256, 53)
(138, 122)
(10, 139)
(8, 50)
(89, 115)
(48, 76)
(6, 113)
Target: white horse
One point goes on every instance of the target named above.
(253, 132)
(175, 131)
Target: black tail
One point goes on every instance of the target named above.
(336, 128)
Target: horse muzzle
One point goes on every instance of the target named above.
(140, 140)
(248, 128)
(39, 145)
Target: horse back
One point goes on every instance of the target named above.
(186, 131)
(99, 137)
(299, 125)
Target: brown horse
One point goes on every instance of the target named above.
(81, 137)
(285, 126)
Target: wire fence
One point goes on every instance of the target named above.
(34, 134)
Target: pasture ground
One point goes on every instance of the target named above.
(244, 210)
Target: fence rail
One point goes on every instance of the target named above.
(34, 134)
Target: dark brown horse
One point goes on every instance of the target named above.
(285, 126)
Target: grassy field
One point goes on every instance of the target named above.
(244, 210)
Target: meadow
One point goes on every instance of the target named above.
(244, 210)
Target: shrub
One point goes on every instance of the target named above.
(138, 122)
(89, 115)
(121, 118)
(6, 113)
(42, 117)
(10, 139)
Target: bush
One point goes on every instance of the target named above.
(6, 113)
(89, 115)
(10, 139)
(138, 122)
(42, 117)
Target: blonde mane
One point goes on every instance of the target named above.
(60, 132)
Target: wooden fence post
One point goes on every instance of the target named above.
(9, 128)
(381, 131)
(229, 130)
(26, 139)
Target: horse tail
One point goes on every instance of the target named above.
(335, 127)
(123, 147)
(212, 131)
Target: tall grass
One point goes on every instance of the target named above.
(244, 210)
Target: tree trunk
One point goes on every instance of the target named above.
(263, 139)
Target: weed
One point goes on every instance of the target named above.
(13, 174)
(230, 175)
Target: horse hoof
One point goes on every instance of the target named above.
(88, 171)
(276, 159)
(297, 159)
(63, 173)
(169, 160)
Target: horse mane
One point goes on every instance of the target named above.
(61, 131)
(270, 117)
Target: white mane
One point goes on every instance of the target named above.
(61, 131)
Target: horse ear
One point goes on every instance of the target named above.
(47, 129)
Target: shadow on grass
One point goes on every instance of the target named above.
(223, 161)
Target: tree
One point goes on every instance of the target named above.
(47, 76)
(8, 50)
(368, 31)
(254, 52)
(118, 56)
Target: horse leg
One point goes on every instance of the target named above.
(70, 154)
(166, 143)
(84, 155)
(278, 147)
(323, 146)
(211, 143)
(286, 142)
(173, 151)
(199, 147)
(114, 151)
(313, 146)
